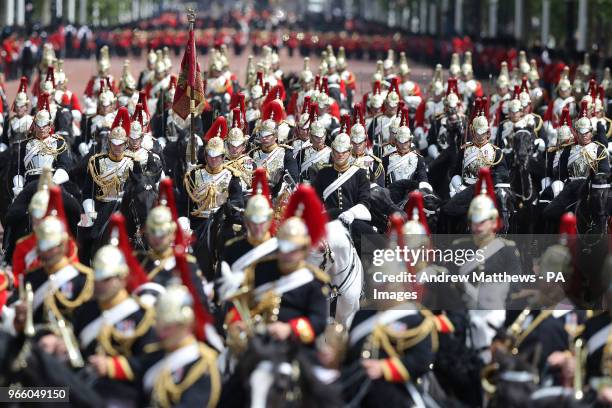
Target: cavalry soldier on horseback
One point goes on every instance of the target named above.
(43, 149)
(404, 163)
(393, 343)
(236, 154)
(150, 162)
(473, 156)
(362, 157)
(60, 285)
(115, 329)
(147, 74)
(378, 127)
(276, 158)
(288, 291)
(211, 184)
(187, 374)
(257, 243)
(100, 124)
(345, 190)
(20, 123)
(587, 158)
(314, 155)
(162, 232)
(94, 86)
(552, 184)
(107, 173)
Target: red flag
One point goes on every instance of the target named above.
(190, 84)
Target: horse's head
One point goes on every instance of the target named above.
(63, 124)
(139, 198)
(522, 145)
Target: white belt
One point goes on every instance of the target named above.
(577, 178)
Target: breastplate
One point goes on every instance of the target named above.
(474, 158)
(402, 167)
(19, 128)
(407, 88)
(582, 159)
(110, 176)
(273, 162)
(141, 156)
(209, 191)
(315, 158)
(41, 153)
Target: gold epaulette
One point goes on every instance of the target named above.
(124, 341)
(235, 172)
(285, 146)
(376, 159)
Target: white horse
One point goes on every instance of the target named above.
(339, 259)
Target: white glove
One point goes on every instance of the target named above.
(347, 217)
(18, 182)
(3, 146)
(423, 185)
(539, 143)
(162, 142)
(545, 182)
(77, 115)
(557, 187)
(433, 152)
(60, 176)
(229, 282)
(83, 149)
(89, 208)
(610, 147)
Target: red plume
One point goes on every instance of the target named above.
(306, 105)
(325, 85)
(173, 81)
(43, 102)
(477, 108)
(395, 85)
(566, 119)
(236, 118)
(317, 83)
(313, 113)
(584, 109)
(218, 128)
(485, 106)
(524, 87)
(451, 86)
(202, 317)
(23, 85)
(122, 119)
(416, 209)
(137, 276)
(400, 107)
(260, 80)
(592, 89)
(345, 124)
(137, 116)
(50, 75)
(305, 203)
(55, 207)
(266, 88)
(568, 224)
(237, 101)
(396, 222)
(405, 118)
(486, 181)
(358, 114)
(142, 98)
(166, 197)
(273, 110)
(274, 94)
(517, 92)
(65, 99)
(376, 88)
(260, 184)
(102, 87)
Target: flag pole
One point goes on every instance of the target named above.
(191, 19)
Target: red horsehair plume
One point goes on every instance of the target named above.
(306, 105)
(416, 209)
(345, 124)
(137, 275)
(306, 204)
(122, 119)
(260, 184)
(236, 118)
(217, 129)
(273, 110)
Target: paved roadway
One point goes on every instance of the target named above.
(79, 71)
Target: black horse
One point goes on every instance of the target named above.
(225, 224)
(139, 197)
